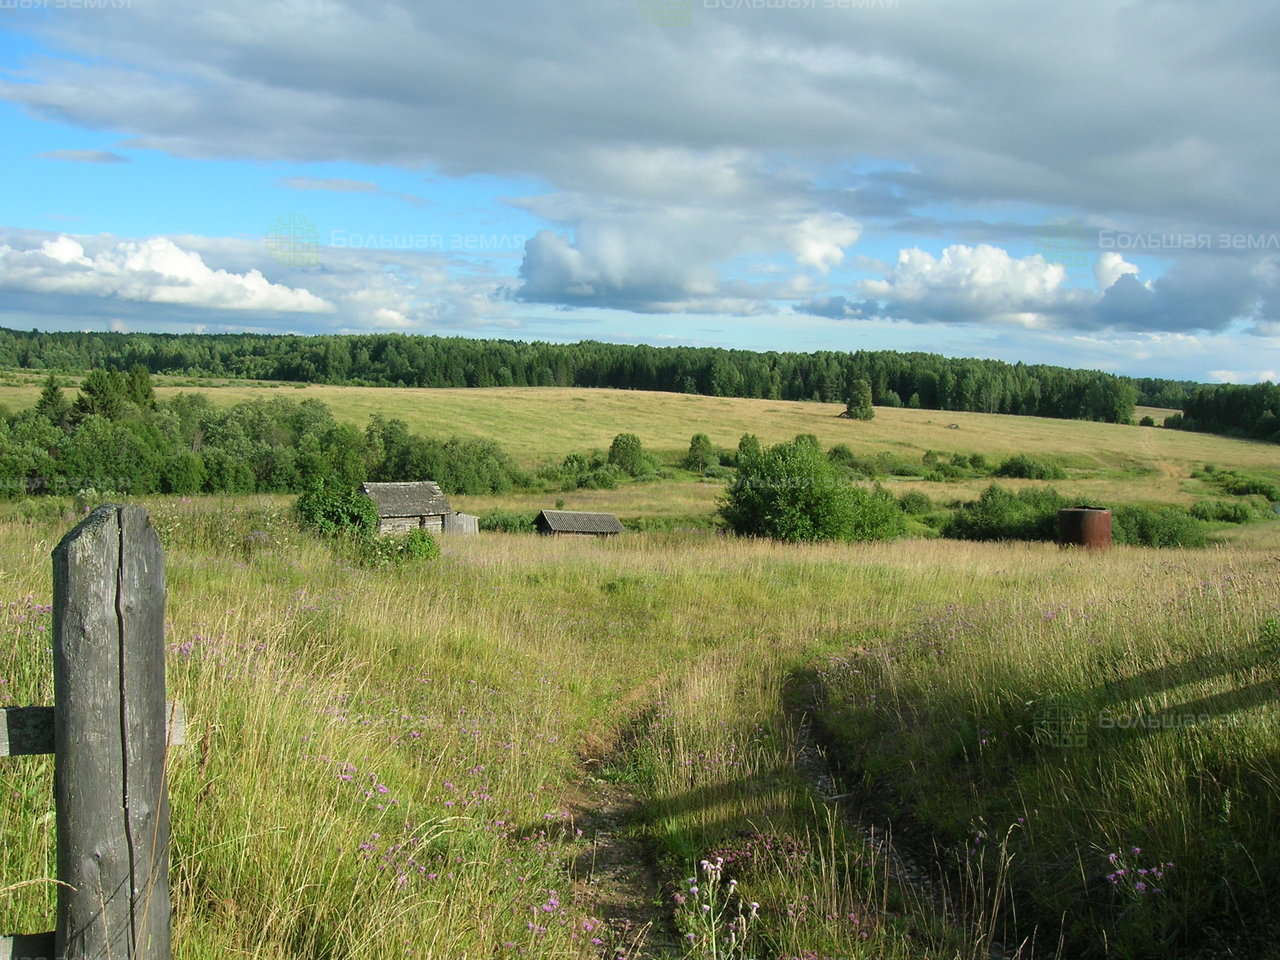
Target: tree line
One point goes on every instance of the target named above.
(115, 436)
(895, 379)
(1239, 410)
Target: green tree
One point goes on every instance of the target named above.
(702, 454)
(857, 406)
(52, 405)
(627, 454)
(137, 386)
(102, 394)
(793, 492)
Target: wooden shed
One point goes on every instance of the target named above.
(402, 507)
(559, 523)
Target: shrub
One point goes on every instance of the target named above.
(627, 453)
(1243, 485)
(1028, 468)
(508, 521)
(1000, 514)
(702, 454)
(414, 547)
(792, 492)
(1222, 511)
(1147, 421)
(331, 511)
(890, 464)
(915, 503)
(1165, 526)
(945, 472)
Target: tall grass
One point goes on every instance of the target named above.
(381, 759)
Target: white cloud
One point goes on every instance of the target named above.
(968, 283)
(155, 270)
(1243, 376)
(1110, 267)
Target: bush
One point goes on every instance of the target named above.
(1222, 511)
(392, 551)
(792, 492)
(915, 503)
(702, 454)
(1028, 468)
(1156, 527)
(338, 511)
(1000, 514)
(842, 456)
(1243, 486)
(1147, 421)
(890, 464)
(628, 455)
(508, 521)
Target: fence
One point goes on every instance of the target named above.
(109, 731)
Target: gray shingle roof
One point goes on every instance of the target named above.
(422, 498)
(569, 521)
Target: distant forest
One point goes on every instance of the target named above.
(897, 379)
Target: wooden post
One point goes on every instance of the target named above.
(109, 736)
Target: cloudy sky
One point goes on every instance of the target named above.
(1086, 183)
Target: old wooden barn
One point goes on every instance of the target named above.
(571, 523)
(402, 507)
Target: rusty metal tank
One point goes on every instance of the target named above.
(1085, 527)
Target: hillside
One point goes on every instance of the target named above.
(538, 425)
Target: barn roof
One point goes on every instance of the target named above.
(569, 521)
(422, 498)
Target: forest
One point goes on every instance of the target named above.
(116, 436)
(897, 379)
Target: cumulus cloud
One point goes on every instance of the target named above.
(966, 283)
(230, 284)
(1110, 267)
(985, 284)
(155, 270)
(677, 257)
(694, 155)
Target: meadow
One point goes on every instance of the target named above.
(920, 748)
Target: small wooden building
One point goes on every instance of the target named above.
(461, 523)
(557, 523)
(402, 507)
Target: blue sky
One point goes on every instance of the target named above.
(1001, 179)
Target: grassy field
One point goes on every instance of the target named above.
(527, 747)
(537, 425)
(395, 759)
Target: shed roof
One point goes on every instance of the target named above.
(418, 499)
(569, 521)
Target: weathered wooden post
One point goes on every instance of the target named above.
(109, 738)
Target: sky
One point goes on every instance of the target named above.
(1090, 184)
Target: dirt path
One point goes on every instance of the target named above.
(616, 879)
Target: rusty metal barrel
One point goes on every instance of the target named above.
(1085, 527)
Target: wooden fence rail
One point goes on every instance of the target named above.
(109, 731)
